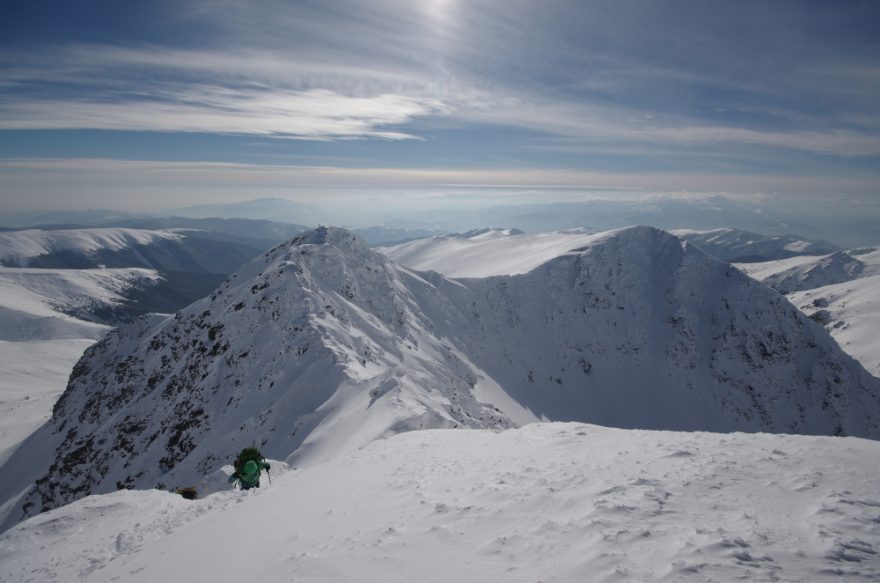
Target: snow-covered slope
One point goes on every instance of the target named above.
(184, 250)
(840, 291)
(851, 312)
(485, 252)
(803, 273)
(548, 502)
(32, 376)
(41, 304)
(321, 346)
(20, 248)
(41, 338)
(736, 245)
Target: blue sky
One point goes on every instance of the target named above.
(161, 104)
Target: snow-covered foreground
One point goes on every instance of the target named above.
(547, 502)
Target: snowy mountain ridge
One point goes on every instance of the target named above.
(321, 345)
(175, 249)
(19, 248)
(803, 273)
(736, 245)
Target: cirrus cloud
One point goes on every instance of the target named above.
(313, 114)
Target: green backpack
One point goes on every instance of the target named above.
(250, 473)
(247, 465)
(246, 455)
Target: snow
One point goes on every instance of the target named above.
(547, 502)
(19, 247)
(841, 291)
(321, 346)
(328, 356)
(34, 374)
(39, 343)
(765, 269)
(800, 273)
(853, 316)
(731, 244)
(35, 303)
(486, 252)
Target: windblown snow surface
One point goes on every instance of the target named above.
(840, 291)
(547, 502)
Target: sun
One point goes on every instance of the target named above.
(439, 9)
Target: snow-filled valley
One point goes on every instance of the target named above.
(328, 355)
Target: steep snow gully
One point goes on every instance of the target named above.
(321, 345)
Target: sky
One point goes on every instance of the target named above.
(162, 104)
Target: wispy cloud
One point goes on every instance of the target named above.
(265, 93)
(615, 125)
(313, 114)
(575, 86)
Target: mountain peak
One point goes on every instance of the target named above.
(637, 239)
(333, 236)
(319, 241)
(640, 232)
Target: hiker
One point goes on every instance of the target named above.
(248, 465)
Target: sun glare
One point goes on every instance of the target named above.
(439, 10)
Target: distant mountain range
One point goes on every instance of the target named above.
(736, 245)
(392, 225)
(166, 250)
(274, 209)
(484, 252)
(187, 264)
